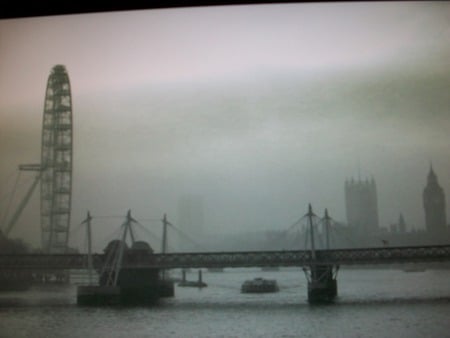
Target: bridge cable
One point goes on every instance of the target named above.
(306, 238)
(333, 232)
(111, 236)
(198, 246)
(75, 229)
(114, 235)
(294, 224)
(298, 236)
(155, 237)
(335, 226)
(294, 240)
(317, 235)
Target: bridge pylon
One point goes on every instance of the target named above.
(322, 282)
(166, 285)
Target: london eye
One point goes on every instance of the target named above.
(55, 170)
(56, 162)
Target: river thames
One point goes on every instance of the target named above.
(371, 303)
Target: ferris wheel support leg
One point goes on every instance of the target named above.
(22, 205)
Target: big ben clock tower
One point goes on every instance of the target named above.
(434, 204)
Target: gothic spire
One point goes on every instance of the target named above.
(432, 178)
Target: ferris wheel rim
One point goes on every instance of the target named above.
(56, 162)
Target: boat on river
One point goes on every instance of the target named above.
(260, 285)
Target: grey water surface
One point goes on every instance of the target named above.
(371, 303)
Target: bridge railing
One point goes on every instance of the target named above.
(385, 255)
(234, 259)
(237, 259)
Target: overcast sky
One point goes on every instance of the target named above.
(258, 109)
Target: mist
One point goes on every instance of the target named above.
(257, 144)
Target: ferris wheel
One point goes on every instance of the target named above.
(56, 162)
(55, 170)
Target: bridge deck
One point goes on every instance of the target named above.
(367, 256)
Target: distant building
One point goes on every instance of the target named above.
(401, 224)
(393, 228)
(434, 204)
(399, 227)
(362, 205)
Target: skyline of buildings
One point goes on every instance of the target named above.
(361, 205)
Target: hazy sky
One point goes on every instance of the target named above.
(259, 109)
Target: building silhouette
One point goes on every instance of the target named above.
(434, 204)
(401, 224)
(362, 205)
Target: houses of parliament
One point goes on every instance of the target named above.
(362, 212)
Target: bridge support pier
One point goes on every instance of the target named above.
(322, 283)
(166, 288)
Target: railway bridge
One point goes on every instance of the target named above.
(320, 268)
(240, 259)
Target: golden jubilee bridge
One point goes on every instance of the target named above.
(148, 259)
(239, 259)
(320, 265)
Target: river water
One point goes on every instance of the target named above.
(371, 303)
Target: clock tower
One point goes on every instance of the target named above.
(434, 204)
